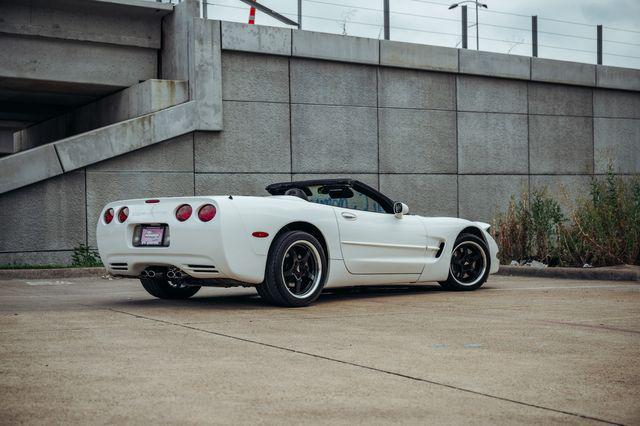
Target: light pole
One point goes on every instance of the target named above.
(478, 4)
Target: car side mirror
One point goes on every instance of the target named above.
(400, 209)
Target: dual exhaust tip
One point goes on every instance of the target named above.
(175, 274)
(172, 274)
(148, 273)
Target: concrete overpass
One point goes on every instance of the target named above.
(60, 55)
(180, 105)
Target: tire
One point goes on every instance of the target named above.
(263, 293)
(161, 288)
(472, 271)
(296, 270)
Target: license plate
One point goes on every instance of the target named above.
(151, 236)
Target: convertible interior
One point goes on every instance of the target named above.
(346, 193)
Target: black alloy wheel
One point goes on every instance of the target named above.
(296, 270)
(470, 264)
(301, 269)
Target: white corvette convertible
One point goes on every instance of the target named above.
(304, 237)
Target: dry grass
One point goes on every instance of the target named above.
(603, 229)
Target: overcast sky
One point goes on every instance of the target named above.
(417, 21)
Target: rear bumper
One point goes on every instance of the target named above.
(207, 263)
(219, 248)
(132, 264)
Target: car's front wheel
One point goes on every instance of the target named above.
(470, 264)
(162, 288)
(296, 270)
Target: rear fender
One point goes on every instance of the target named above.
(270, 215)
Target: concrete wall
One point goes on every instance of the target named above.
(446, 143)
(449, 132)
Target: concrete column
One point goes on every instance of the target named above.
(175, 40)
(205, 73)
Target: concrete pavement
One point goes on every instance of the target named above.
(520, 350)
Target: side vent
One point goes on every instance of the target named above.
(203, 268)
(119, 266)
(440, 250)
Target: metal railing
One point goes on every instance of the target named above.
(432, 22)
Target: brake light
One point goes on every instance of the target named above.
(207, 212)
(152, 201)
(123, 214)
(184, 212)
(108, 216)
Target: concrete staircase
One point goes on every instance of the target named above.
(139, 116)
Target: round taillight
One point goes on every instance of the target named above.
(108, 216)
(123, 214)
(184, 212)
(207, 212)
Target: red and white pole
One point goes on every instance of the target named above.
(252, 15)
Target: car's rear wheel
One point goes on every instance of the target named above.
(296, 270)
(470, 264)
(162, 288)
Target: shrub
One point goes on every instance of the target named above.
(603, 228)
(85, 257)
(606, 225)
(530, 228)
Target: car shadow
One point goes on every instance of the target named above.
(251, 301)
(373, 291)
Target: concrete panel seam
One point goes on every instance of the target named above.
(378, 116)
(86, 210)
(529, 134)
(261, 102)
(193, 158)
(455, 100)
(166, 172)
(35, 251)
(55, 149)
(257, 173)
(290, 119)
(593, 131)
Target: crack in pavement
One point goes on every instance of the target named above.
(592, 326)
(366, 367)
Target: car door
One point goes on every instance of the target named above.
(380, 243)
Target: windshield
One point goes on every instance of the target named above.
(343, 196)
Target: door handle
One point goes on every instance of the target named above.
(348, 215)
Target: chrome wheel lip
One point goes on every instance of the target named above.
(484, 264)
(318, 272)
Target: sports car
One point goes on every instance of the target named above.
(303, 237)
